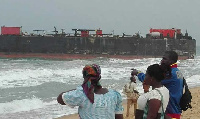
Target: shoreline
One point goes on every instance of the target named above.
(192, 113)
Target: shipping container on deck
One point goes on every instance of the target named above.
(10, 30)
(99, 33)
(84, 33)
(167, 32)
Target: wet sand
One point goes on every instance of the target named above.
(193, 113)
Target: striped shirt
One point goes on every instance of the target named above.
(105, 106)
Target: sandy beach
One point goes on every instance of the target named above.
(193, 113)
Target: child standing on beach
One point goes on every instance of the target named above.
(132, 94)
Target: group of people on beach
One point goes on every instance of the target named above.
(162, 84)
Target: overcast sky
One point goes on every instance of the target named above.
(128, 16)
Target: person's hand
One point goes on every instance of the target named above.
(134, 72)
(135, 91)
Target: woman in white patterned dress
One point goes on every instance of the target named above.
(94, 101)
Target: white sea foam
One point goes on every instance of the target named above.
(25, 73)
(33, 77)
(21, 105)
(193, 81)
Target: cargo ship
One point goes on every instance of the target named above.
(90, 43)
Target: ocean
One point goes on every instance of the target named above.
(29, 87)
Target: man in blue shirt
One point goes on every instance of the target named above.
(174, 84)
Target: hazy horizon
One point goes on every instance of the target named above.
(122, 16)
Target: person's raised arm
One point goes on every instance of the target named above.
(138, 73)
(59, 98)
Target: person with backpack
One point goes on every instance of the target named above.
(174, 84)
(131, 93)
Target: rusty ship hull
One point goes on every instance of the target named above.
(58, 47)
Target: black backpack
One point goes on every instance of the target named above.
(186, 98)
